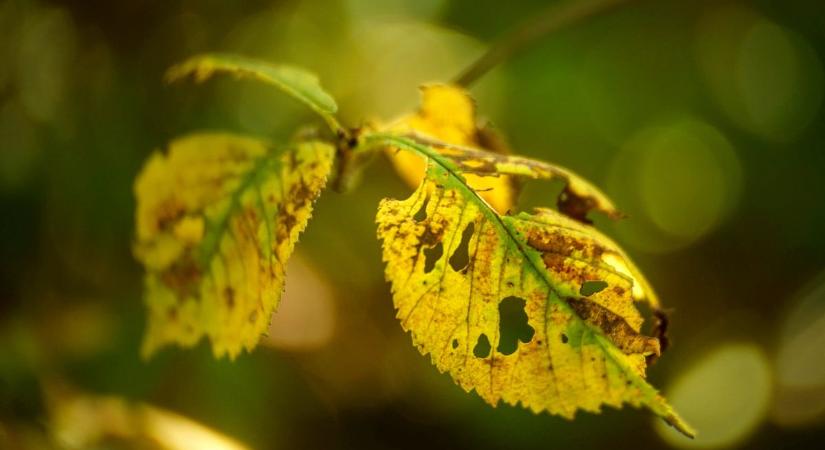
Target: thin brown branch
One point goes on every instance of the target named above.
(559, 15)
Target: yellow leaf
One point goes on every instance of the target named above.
(578, 198)
(217, 219)
(447, 113)
(528, 309)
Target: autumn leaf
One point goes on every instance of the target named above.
(217, 218)
(536, 309)
(295, 81)
(447, 113)
(578, 198)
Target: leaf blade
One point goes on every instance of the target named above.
(217, 218)
(448, 113)
(299, 83)
(582, 196)
(567, 363)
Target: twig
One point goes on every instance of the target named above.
(559, 15)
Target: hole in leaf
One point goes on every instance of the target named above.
(432, 256)
(482, 348)
(461, 255)
(421, 214)
(455, 343)
(513, 325)
(591, 287)
(563, 338)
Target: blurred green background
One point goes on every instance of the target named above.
(702, 119)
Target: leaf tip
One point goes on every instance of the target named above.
(680, 425)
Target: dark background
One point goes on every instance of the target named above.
(702, 119)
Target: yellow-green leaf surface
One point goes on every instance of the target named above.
(448, 113)
(536, 309)
(578, 198)
(297, 82)
(217, 218)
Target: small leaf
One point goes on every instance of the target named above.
(512, 323)
(297, 82)
(447, 113)
(217, 218)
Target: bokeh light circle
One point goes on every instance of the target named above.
(800, 365)
(677, 182)
(766, 78)
(724, 397)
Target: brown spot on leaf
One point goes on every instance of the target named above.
(183, 278)
(430, 237)
(575, 206)
(286, 221)
(229, 297)
(478, 165)
(615, 327)
(555, 241)
(293, 160)
(300, 194)
(660, 326)
(169, 212)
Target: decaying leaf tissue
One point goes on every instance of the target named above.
(534, 308)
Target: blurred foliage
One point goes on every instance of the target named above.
(701, 119)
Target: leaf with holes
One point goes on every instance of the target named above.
(536, 309)
(447, 113)
(217, 218)
(577, 199)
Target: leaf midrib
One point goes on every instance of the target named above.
(209, 248)
(641, 383)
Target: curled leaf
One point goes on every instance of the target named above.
(447, 113)
(533, 309)
(217, 219)
(297, 82)
(578, 198)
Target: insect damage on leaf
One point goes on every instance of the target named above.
(577, 199)
(560, 350)
(217, 218)
(447, 113)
